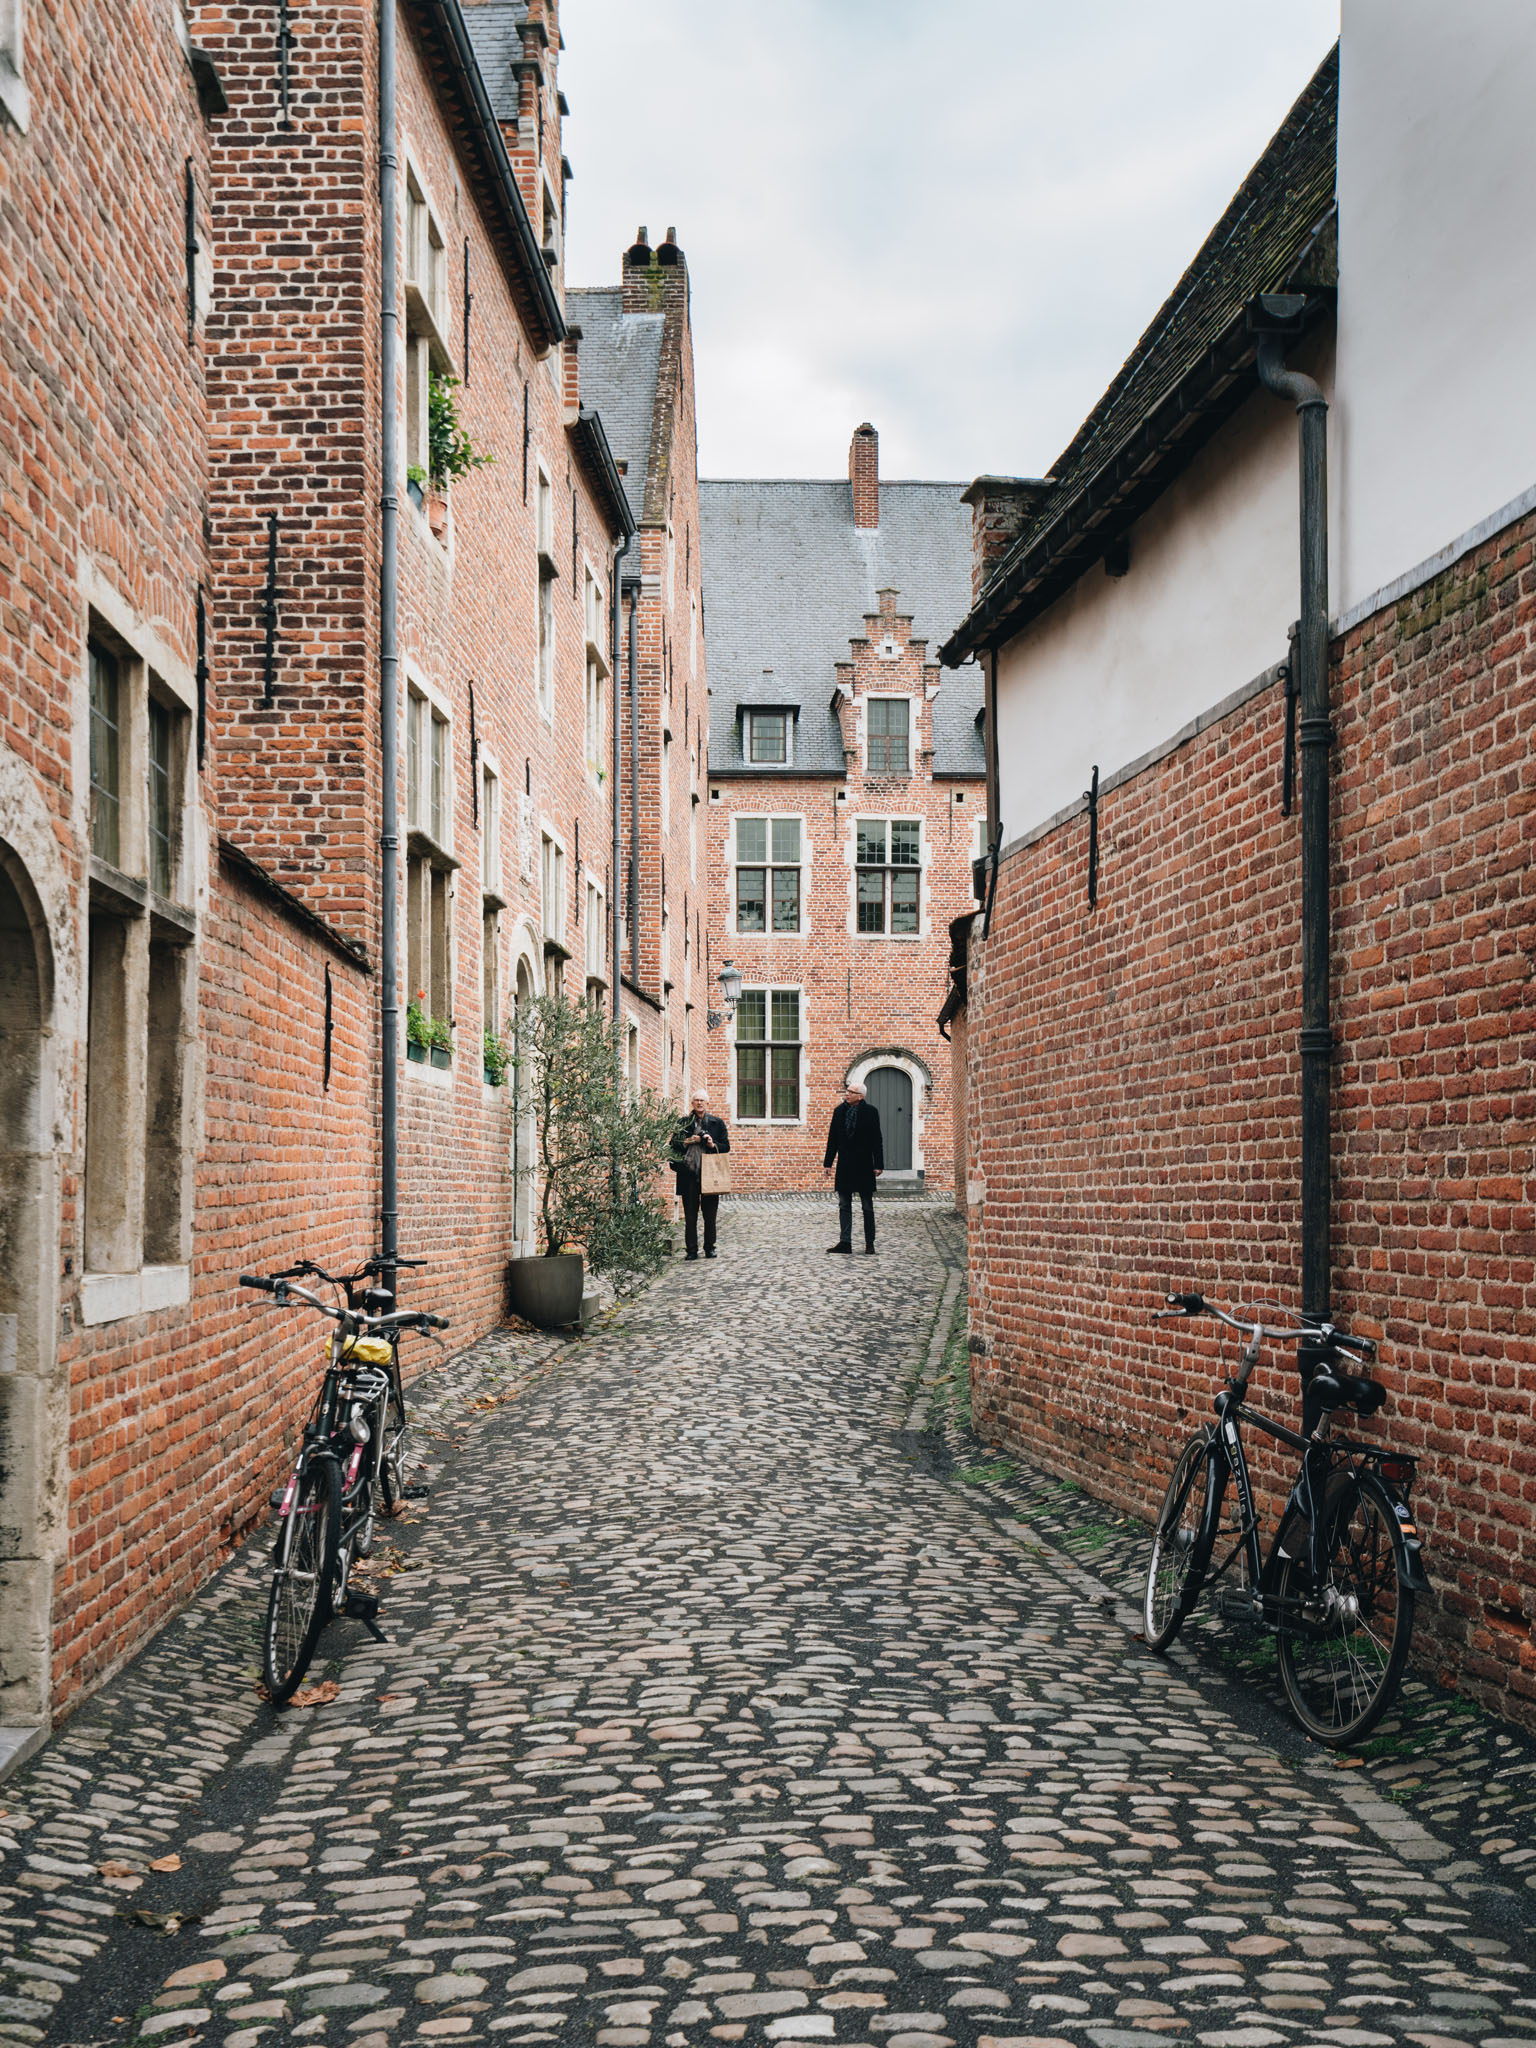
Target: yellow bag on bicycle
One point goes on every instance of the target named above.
(368, 1350)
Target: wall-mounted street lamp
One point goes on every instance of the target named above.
(730, 991)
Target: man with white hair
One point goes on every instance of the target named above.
(854, 1144)
(696, 1134)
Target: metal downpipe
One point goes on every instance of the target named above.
(1315, 734)
(633, 584)
(617, 806)
(389, 657)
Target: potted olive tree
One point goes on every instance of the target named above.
(599, 1158)
(450, 453)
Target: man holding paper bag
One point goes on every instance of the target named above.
(697, 1145)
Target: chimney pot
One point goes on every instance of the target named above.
(864, 475)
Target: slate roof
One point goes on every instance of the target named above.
(1190, 370)
(789, 580)
(494, 27)
(619, 359)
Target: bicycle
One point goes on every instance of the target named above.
(1337, 1589)
(352, 1452)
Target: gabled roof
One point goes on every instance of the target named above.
(495, 28)
(1188, 373)
(620, 358)
(789, 580)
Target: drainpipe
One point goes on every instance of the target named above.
(632, 585)
(618, 801)
(389, 661)
(1316, 735)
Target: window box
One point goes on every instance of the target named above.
(416, 1052)
(442, 1055)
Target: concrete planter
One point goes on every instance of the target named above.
(546, 1291)
(416, 1052)
(442, 1055)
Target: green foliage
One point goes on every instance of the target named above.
(498, 1057)
(450, 452)
(422, 1029)
(600, 1149)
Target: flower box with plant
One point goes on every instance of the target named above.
(450, 452)
(498, 1057)
(427, 1037)
(599, 1156)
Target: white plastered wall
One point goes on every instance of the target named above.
(1119, 664)
(1437, 279)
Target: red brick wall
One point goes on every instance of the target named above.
(862, 994)
(1134, 1107)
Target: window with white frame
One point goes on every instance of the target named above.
(768, 1037)
(594, 614)
(594, 714)
(666, 784)
(544, 519)
(767, 736)
(889, 866)
(490, 898)
(767, 874)
(552, 889)
(426, 323)
(632, 1059)
(887, 733)
(429, 864)
(596, 934)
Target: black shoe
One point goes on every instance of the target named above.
(840, 1248)
(710, 1253)
(690, 1255)
(869, 1251)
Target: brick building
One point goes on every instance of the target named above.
(1143, 1022)
(194, 650)
(845, 792)
(637, 368)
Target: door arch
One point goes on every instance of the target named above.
(28, 1230)
(889, 1090)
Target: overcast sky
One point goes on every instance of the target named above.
(950, 217)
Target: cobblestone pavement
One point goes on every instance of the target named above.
(715, 1707)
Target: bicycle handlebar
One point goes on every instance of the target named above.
(280, 1286)
(1322, 1334)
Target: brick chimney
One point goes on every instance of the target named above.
(864, 475)
(654, 279)
(1000, 510)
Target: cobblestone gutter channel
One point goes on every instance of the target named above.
(718, 1706)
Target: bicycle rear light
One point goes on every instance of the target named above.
(1397, 1471)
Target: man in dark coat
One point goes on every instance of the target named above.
(693, 1136)
(854, 1143)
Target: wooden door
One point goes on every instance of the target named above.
(890, 1091)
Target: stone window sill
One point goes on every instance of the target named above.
(111, 1297)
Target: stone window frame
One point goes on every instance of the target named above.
(593, 617)
(768, 990)
(544, 615)
(889, 869)
(425, 305)
(492, 900)
(552, 889)
(594, 936)
(889, 697)
(430, 862)
(140, 1011)
(770, 866)
(15, 100)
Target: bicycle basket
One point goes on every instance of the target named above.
(367, 1351)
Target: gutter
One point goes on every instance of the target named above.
(389, 654)
(590, 438)
(446, 19)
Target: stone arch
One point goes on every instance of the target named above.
(33, 1418)
(918, 1073)
(527, 968)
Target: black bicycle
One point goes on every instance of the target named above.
(1338, 1586)
(351, 1463)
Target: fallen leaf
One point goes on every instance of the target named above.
(118, 1869)
(1349, 1763)
(316, 1695)
(165, 1863)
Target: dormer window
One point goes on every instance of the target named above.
(888, 735)
(766, 737)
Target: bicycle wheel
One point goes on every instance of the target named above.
(302, 1576)
(1344, 1642)
(392, 1463)
(1182, 1541)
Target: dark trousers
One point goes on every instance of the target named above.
(845, 1217)
(695, 1199)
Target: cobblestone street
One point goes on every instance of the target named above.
(714, 1708)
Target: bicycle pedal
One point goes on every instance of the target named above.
(275, 1498)
(1234, 1605)
(360, 1606)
